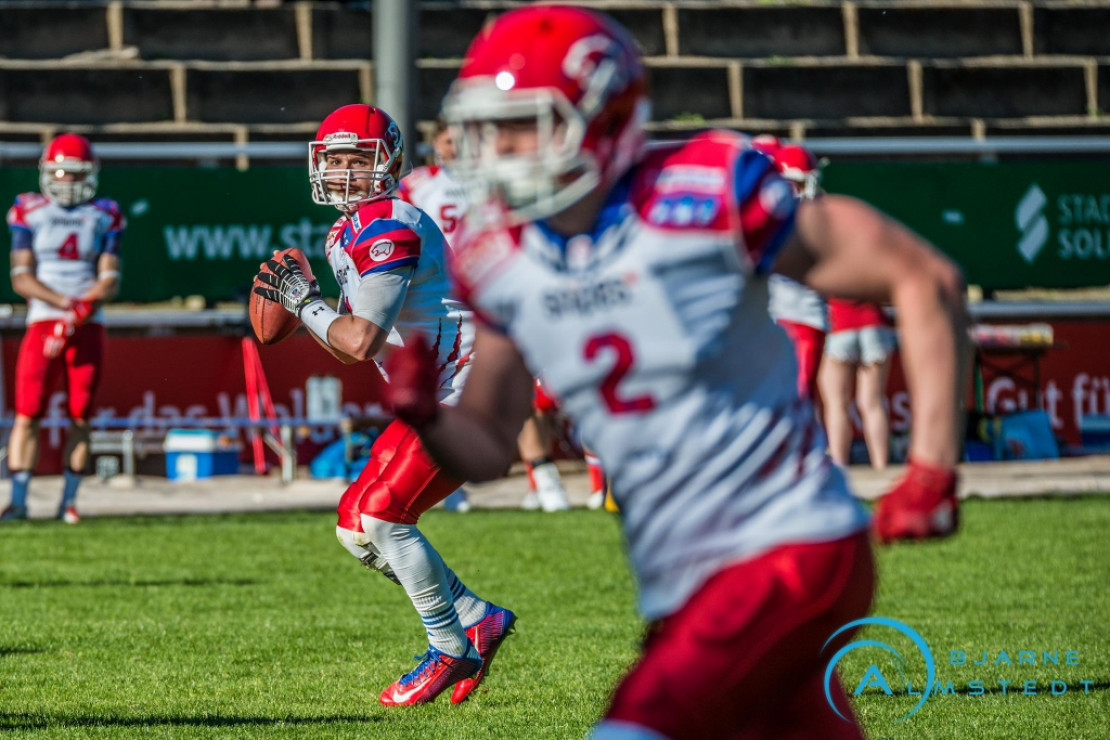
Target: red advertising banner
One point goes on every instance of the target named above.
(1072, 377)
(162, 381)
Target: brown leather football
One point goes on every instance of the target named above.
(270, 321)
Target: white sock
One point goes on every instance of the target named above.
(422, 574)
(469, 607)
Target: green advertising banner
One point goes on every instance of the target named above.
(1008, 225)
(195, 231)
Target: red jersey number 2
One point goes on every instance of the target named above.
(625, 358)
(68, 250)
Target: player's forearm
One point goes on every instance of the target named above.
(27, 286)
(469, 446)
(933, 330)
(355, 337)
(104, 290)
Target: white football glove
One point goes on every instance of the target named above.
(288, 285)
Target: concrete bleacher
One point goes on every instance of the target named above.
(233, 70)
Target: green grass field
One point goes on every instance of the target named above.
(261, 626)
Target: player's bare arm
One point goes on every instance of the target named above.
(475, 440)
(27, 285)
(106, 287)
(354, 339)
(843, 247)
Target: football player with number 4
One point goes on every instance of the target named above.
(65, 262)
(389, 260)
(636, 279)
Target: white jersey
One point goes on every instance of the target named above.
(389, 234)
(654, 333)
(433, 190)
(800, 304)
(66, 243)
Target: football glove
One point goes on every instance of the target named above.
(413, 382)
(79, 310)
(921, 505)
(287, 285)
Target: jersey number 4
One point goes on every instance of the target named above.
(625, 358)
(68, 250)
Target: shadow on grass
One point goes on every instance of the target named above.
(4, 651)
(115, 583)
(10, 721)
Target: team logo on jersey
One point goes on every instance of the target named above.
(381, 250)
(776, 197)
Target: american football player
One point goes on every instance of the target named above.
(65, 261)
(636, 280)
(389, 260)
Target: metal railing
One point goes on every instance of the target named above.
(844, 146)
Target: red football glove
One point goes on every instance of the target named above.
(921, 505)
(413, 381)
(59, 336)
(81, 309)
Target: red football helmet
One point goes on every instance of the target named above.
(573, 74)
(794, 162)
(68, 170)
(356, 128)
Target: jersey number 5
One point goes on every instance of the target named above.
(448, 217)
(68, 250)
(625, 358)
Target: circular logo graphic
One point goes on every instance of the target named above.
(381, 250)
(873, 676)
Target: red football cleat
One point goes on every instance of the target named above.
(487, 636)
(922, 505)
(435, 672)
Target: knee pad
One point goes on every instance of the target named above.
(359, 545)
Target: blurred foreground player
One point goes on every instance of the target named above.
(389, 260)
(65, 261)
(799, 310)
(637, 281)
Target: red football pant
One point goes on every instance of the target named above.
(742, 658)
(398, 484)
(36, 374)
(809, 345)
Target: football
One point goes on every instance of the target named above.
(270, 321)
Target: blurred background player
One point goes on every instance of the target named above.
(545, 485)
(748, 548)
(799, 310)
(389, 260)
(433, 190)
(858, 354)
(65, 261)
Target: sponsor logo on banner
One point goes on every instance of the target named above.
(1031, 222)
(192, 242)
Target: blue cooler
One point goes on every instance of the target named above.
(193, 454)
